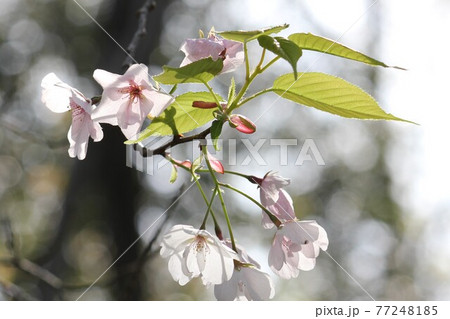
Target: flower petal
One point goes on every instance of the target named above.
(219, 267)
(108, 79)
(56, 94)
(106, 111)
(259, 284)
(158, 102)
(197, 49)
(176, 269)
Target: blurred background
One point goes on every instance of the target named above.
(382, 195)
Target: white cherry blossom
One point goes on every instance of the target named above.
(248, 281)
(60, 97)
(196, 253)
(295, 247)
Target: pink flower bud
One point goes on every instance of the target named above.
(216, 165)
(204, 105)
(242, 124)
(185, 163)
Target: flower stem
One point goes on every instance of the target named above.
(222, 202)
(275, 59)
(268, 212)
(213, 94)
(249, 79)
(247, 63)
(209, 207)
(253, 96)
(202, 192)
(261, 61)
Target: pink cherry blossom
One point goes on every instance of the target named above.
(231, 52)
(248, 281)
(275, 199)
(60, 97)
(128, 99)
(295, 247)
(196, 253)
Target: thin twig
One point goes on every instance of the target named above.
(35, 270)
(141, 31)
(176, 141)
(15, 292)
(24, 264)
(9, 235)
(142, 259)
(32, 136)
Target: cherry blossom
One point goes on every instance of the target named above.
(196, 253)
(128, 99)
(60, 97)
(275, 198)
(231, 52)
(295, 247)
(248, 281)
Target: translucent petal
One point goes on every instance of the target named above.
(56, 94)
(158, 102)
(219, 266)
(107, 79)
(258, 283)
(176, 269)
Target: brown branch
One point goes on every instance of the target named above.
(176, 141)
(141, 31)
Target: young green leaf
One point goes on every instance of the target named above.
(173, 174)
(284, 48)
(330, 94)
(216, 130)
(196, 164)
(246, 36)
(308, 41)
(180, 117)
(200, 71)
(231, 91)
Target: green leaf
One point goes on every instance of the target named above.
(197, 164)
(284, 48)
(173, 175)
(245, 36)
(200, 71)
(308, 41)
(216, 130)
(231, 91)
(330, 94)
(180, 117)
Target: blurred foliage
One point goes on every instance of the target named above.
(351, 196)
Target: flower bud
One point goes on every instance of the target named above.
(185, 163)
(216, 165)
(242, 124)
(204, 105)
